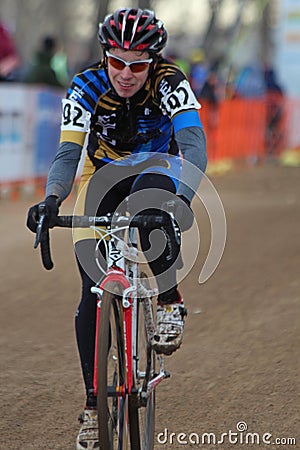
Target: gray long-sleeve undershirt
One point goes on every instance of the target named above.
(191, 142)
(63, 170)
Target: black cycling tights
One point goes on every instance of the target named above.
(85, 251)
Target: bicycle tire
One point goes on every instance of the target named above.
(112, 407)
(142, 409)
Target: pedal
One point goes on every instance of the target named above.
(184, 311)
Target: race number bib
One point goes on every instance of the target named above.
(178, 99)
(74, 117)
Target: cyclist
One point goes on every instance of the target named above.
(138, 110)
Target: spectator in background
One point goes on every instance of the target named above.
(209, 99)
(198, 70)
(250, 82)
(271, 82)
(9, 58)
(274, 113)
(59, 64)
(209, 91)
(181, 63)
(40, 71)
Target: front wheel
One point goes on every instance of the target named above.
(142, 402)
(142, 420)
(112, 398)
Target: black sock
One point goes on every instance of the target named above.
(91, 399)
(168, 297)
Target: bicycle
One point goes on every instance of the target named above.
(125, 375)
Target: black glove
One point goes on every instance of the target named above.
(183, 213)
(52, 207)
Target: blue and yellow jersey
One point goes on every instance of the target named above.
(118, 127)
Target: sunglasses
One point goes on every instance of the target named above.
(135, 66)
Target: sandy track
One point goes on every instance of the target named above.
(240, 357)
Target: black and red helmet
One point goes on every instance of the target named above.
(133, 29)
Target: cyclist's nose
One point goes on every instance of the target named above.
(126, 72)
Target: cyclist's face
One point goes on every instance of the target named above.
(124, 80)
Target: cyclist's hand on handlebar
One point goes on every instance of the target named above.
(52, 204)
(183, 213)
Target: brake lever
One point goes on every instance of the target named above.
(175, 228)
(170, 209)
(39, 229)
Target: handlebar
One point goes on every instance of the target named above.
(109, 220)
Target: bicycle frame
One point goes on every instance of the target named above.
(123, 269)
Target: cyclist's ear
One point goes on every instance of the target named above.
(154, 63)
(104, 60)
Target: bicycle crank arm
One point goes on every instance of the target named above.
(155, 382)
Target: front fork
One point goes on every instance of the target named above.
(129, 308)
(116, 276)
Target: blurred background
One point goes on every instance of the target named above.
(242, 58)
(230, 33)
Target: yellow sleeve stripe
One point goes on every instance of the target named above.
(72, 136)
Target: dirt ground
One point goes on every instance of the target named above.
(240, 358)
